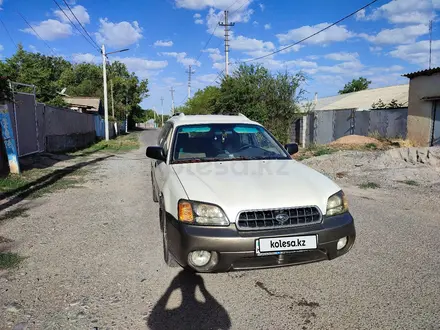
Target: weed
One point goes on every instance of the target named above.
(12, 182)
(18, 212)
(369, 185)
(9, 260)
(410, 182)
(371, 146)
(121, 143)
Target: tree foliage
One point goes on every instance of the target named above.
(393, 104)
(355, 85)
(52, 74)
(256, 93)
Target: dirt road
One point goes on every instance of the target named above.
(94, 261)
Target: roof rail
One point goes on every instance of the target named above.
(180, 114)
(240, 114)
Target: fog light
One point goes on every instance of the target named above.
(342, 243)
(200, 258)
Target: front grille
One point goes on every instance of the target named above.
(267, 219)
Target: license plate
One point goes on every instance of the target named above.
(279, 245)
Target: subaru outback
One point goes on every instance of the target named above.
(232, 198)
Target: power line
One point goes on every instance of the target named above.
(97, 48)
(312, 35)
(80, 24)
(7, 32)
(36, 33)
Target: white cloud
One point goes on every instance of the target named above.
(51, 30)
(262, 7)
(294, 48)
(33, 49)
(214, 54)
(120, 34)
(255, 23)
(142, 67)
(342, 56)
(360, 15)
(407, 11)
(206, 78)
(79, 11)
(213, 17)
(232, 5)
(334, 34)
(84, 58)
(405, 35)
(375, 49)
(163, 43)
(182, 59)
(418, 53)
(249, 44)
(267, 26)
(1, 46)
(198, 19)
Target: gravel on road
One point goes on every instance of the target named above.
(94, 261)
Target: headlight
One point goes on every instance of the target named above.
(337, 204)
(201, 214)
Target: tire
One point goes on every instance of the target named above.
(167, 256)
(155, 199)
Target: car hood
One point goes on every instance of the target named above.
(255, 184)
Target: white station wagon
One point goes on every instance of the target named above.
(232, 198)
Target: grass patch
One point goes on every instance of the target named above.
(120, 144)
(314, 151)
(410, 182)
(18, 212)
(371, 146)
(9, 260)
(12, 182)
(369, 185)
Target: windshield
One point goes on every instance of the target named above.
(219, 142)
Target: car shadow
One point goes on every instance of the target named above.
(191, 314)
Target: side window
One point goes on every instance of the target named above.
(163, 133)
(167, 141)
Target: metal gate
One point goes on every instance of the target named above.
(436, 122)
(25, 120)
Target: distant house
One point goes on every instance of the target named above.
(424, 107)
(85, 104)
(363, 100)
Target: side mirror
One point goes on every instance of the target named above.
(156, 153)
(292, 148)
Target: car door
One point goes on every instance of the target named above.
(161, 168)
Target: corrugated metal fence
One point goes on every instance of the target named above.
(325, 126)
(38, 127)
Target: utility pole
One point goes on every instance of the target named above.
(104, 75)
(154, 114)
(190, 73)
(172, 90)
(430, 43)
(161, 101)
(113, 101)
(226, 25)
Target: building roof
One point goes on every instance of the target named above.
(363, 100)
(83, 102)
(183, 119)
(426, 72)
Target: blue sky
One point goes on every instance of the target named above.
(383, 42)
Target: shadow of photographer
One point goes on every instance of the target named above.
(191, 314)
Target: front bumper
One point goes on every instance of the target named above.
(236, 249)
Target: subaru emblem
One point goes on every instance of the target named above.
(282, 217)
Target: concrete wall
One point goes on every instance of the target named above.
(66, 129)
(419, 111)
(326, 126)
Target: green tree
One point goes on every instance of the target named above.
(355, 85)
(269, 99)
(202, 103)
